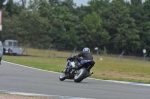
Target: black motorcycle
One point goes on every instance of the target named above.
(77, 71)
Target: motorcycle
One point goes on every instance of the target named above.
(77, 71)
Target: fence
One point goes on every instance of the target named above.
(57, 53)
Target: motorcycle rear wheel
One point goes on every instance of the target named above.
(80, 75)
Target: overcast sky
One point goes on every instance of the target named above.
(79, 2)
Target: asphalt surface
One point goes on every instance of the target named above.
(23, 79)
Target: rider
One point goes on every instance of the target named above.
(85, 54)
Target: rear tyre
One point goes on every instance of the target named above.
(80, 75)
(62, 77)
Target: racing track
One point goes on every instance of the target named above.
(23, 79)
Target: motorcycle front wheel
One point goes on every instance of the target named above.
(62, 77)
(80, 75)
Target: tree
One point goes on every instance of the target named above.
(145, 26)
(121, 27)
(34, 27)
(54, 2)
(60, 18)
(63, 21)
(23, 3)
(11, 27)
(9, 7)
(136, 2)
(94, 34)
(2, 3)
(98, 5)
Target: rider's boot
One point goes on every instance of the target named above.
(89, 74)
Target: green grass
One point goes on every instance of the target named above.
(108, 69)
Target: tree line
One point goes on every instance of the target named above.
(113, 25)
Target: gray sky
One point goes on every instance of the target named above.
(79, 2)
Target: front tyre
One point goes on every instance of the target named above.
(62, 77)
(80, 75)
